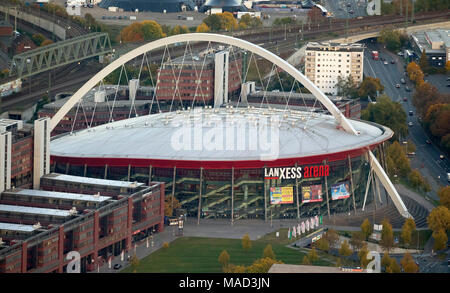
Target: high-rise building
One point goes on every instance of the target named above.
(326, 62)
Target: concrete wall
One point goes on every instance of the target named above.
(45, 24)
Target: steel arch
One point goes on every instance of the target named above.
(217, 38)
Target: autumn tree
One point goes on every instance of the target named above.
(246, 242)
(387, 235)
(408, 264)
(393, 39)
(439, 219)
(38, 39)
(357, 240)
(332, 237)
(214, 22)
(369, 87)
(168, 208)
(407, 229)
(403, 6)
(323, 244)
(418, 181)
(423, 62)
(134, 261)
(347, 87)
(411, 147)
(268, 252)
(366, 228)
(312, 255)
(179, 29)
(345, 249)
(362, 254)
(148, 30)
(415, 73)
(437, 118)
(447, 66)
(306, 260)
(440, 239)
(227, 21)
(202, 28)
(46, 42)
(389, 113)
(444, 196)
(224, 258)
(250, 22)
(386, 260)
(397, 161)
(393, 266)
(262, 265)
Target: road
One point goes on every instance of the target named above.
(340, 9)
(427, 155)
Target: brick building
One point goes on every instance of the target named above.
(38, 228)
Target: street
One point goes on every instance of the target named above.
(427, 155)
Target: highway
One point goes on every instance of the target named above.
(427, 155)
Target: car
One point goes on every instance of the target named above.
(392, 61)
(411, 113)
(410, 124)
(405, 99)
(351, 12)
(397, 85)
(448, 78)
(400, 54)
(117, 266)
(382, 59)
(448, 84)
(385, 63)
(428, 141)
(407, 89)
(441, 157)
(403, 80)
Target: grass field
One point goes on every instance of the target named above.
(200, 255)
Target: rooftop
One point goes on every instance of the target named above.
(58, 195)
(168, 136)
(34, 211)
(17, 227)
(327, 46)
(434, 41)
(93, 181)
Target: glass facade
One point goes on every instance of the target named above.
(247, 194)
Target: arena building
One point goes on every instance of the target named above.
(150, 5)
(225, 161)
(224, 5)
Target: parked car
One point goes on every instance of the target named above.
(385, 63)
(405, 99)
(392, 61)
(407, 89)
(411, 113)
(117, 266)
(403, 80)
(397, 85)
(428, 141)
(410, 124)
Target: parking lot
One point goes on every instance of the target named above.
(440, 81)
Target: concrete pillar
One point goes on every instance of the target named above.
(296, 195)
(173, 184)
(5, 161)
(150, 175)
(129, 222)
(85, 170)
(41, 160)
(351, 182)
(61, 249)
(200, 197)
(67, 168)
(129, 172)
(106, 171)
(326, 192)
(96, 236)
(232, 196)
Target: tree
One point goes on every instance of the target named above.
(148, 30)
(397, 161)
(345, 249)
(407, 229)
(415, 73)
(323, 244)
(369, 87)
(168, 209)
(234, 269)
(386, 260)
(402, 5)
(439, 219)
(387, 235)
(214, 22)
(165, 245)
(366, 228)
(394, 40)
(268, 252)
(347, 87)
(411, 147)
(440, 239)
(389, 113)
(227, 21)
(417, 181)
(179, 29)
(151, 30)
(362, 254)
(202, 28)
(444, 196)
(357, 240)
(393, 266)
(134, 262)
(305, 260)
(46, 42)
(250, 22)
(38, 39)
(246, 243)
(262, 265)
(447, 66)
(332, 237)
(408, 264)
(312, 255)
(224, 258)
(423, 62)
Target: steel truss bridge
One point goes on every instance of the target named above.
(58, 54)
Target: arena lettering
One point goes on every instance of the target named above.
(297, 172)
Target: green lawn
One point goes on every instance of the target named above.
(200, 255)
